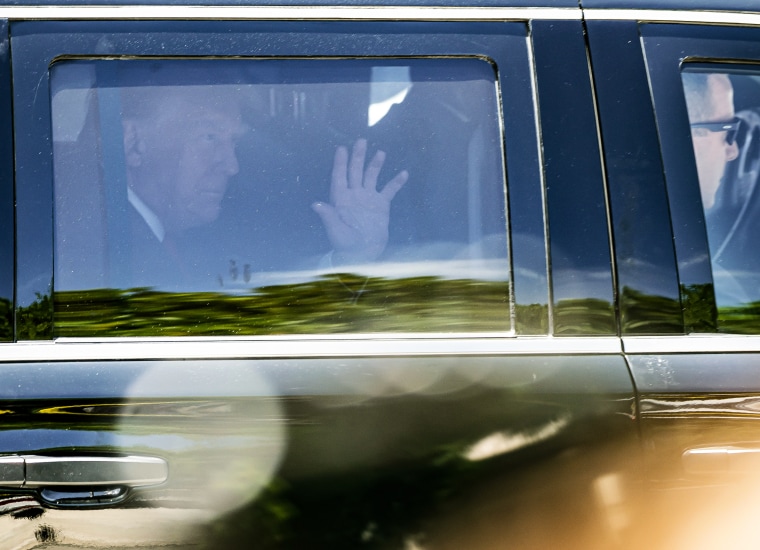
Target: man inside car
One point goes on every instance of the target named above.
(710, 103)
(180, 147)
(714, 129)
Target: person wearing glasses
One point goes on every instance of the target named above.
(710, 103)
(714, 131)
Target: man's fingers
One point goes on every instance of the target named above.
(349, 173)
(339, 173)
(393, 186)
(356, 163)
(373, 171)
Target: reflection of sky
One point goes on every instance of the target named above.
(572, 284)
(26, 293)
(735, 288)
(592, 283)
(650, 279)
(389, 86)
(530, 286)
(32, 440)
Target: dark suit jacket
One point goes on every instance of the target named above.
(139, 259)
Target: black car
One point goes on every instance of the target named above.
(385, 275)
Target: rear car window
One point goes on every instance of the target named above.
(278, 196)
(724, 114)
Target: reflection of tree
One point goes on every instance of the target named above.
(659, 315)
(584, 316)
(368, 508)
(6, 320)
(340, 303)
(649, 314)
(532, 319)
(744, 319)
(34, 321)
(333, 304)
(698, 303)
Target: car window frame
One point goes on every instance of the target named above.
(676, 45)
(507, 42)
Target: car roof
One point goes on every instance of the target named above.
(442, 3)
(702, 5)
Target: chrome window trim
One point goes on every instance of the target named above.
(300, 13)
(605, 189)
(544, 198)
(707, 17)
(301, 347)
(693, 343)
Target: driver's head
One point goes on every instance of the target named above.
(710, 99)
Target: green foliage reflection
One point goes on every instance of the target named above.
(532, 319)
(6, 320)
(34, 322)
(584, 316)
(699, 313)
(337, 303)
(368, 508)
(744, 319)
(648, 314)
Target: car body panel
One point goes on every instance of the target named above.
(390, 433)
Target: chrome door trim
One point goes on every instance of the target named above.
(299, 13)
(692, 343)
(729, 459)
(68, 471)
(706, 17)
(302, 347)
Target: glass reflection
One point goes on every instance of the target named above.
(724, 114)
(219, 180)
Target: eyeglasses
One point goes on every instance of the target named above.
(731, 127)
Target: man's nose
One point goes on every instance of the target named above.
(227, 158)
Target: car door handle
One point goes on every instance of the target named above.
(722, 460)
(81, 481)
(34, 471)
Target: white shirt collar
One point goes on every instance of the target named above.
(147, 214)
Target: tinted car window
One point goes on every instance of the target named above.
(724, 114)
(299, 195)
(672, 52)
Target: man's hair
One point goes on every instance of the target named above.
(698, 101)
(149, 87)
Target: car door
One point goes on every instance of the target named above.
(247, 384)
(685, 267)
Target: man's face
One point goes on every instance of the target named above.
(710, 148)
(188, 155)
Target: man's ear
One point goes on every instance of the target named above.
(134, 146)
